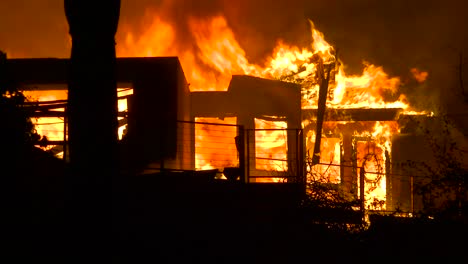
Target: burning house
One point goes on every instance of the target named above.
(168, 127)
(256, 122)
(145, 85)
(269, 113)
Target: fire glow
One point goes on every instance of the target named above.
(270, 147)
(214, 55)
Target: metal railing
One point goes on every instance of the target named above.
(274, 155)
(203, 146)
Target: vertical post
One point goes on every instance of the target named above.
(342, 178)
(412, 193)
(322, 100)
(303, 156)
(192, 143)
(298, 170)
(356, 176)
(347, 176)
(362, 175)
(388, 180)
(247, 167)
(92, 91)
(65, 121)
(92, 116)
(300, 159)
(241, 148)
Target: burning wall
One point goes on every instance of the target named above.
(260, 104)
(156, 91)
(214, 55)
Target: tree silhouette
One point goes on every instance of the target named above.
(17, 133)
(442, 187)
(31, 179)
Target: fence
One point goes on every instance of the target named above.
(202, 146)
(253, 156)
(273, 155)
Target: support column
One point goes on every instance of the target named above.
(92, 114)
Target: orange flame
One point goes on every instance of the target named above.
(215, 146)
(50, 127)
(271, 145)
(372, 155)
(328, 171)
(419, 76)
(215, 55)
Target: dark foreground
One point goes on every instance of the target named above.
(173, 220)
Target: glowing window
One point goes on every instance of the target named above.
(271, 149)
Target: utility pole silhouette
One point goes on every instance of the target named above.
(92, 113)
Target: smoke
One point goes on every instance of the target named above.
(33, 28)
(398, 35)
(257, 25)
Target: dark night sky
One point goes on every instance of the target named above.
(397, 34)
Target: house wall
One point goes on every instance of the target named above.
(249, 98)
(161, 97)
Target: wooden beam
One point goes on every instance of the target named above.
(355, 114)
(324, 72)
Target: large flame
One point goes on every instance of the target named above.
(215, 55)
(211, 60)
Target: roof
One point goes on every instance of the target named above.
(31, 73)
